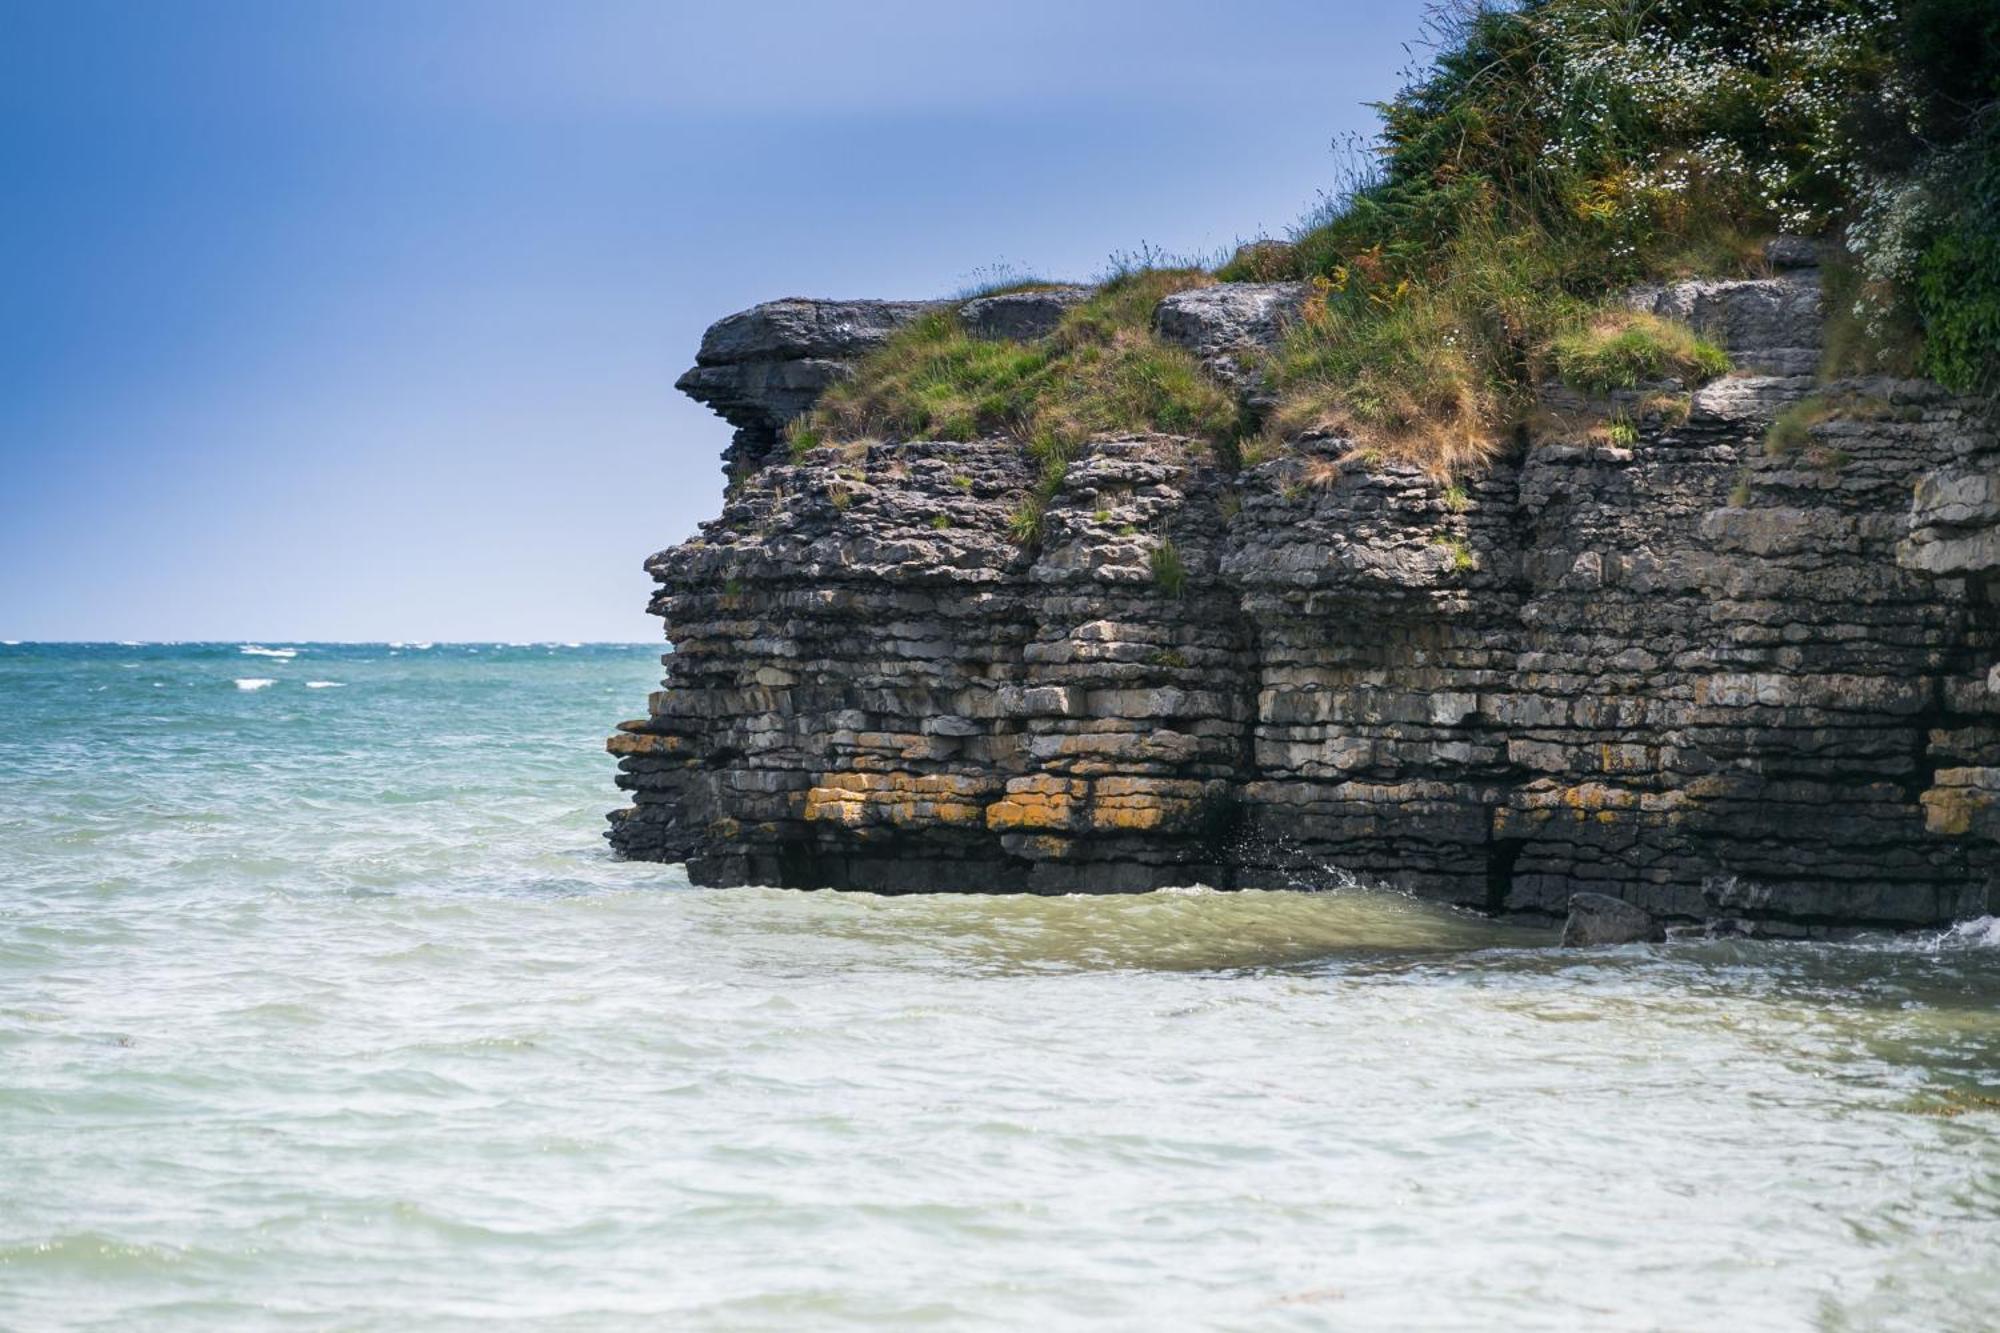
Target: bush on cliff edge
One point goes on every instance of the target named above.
(1553, 152)
(1556, 150)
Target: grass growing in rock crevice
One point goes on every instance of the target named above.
(1792, 429)
(1440, 371)
(1101, 372)
(1623, 349)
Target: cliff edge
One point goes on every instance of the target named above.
(1686, 666)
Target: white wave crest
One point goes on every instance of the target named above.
(326, 684)
(253, 683)
(1981, 932)
(252, 650)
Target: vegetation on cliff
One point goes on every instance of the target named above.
(1558, 149)
(1101, 370)
(1554, 152)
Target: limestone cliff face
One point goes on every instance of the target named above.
(1683, 671)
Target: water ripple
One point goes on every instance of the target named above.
(326, 1008)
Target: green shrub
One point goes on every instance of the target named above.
(1869, 329)
(1551, 153)
(1556, 150)
(1958, 274)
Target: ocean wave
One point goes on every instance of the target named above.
(326, 684)
(253, 650)
(1981, 932)
(253, 683)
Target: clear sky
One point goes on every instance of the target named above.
(360, 320)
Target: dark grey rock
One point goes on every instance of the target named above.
(801, 328)
(1769, 326)
(1783, 252)
(1682, 671)
(1022, 316)
(761, 367)
(1595, 919)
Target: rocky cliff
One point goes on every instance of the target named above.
(1665, 662)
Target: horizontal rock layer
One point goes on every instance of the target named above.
(1680, 670)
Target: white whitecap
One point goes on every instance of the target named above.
(252, 650)
(326, 684)
(420, 645)
(1981, 932)
(10, 643)
(128, 643)
(253, 683)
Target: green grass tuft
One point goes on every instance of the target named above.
(1792, 429)
(1169, 574)
(1623, 349)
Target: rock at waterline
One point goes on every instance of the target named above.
(1596, 919)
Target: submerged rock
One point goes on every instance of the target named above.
(1595, 919)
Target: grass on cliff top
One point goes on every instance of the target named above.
(1439, 372)
(1555, 151)
(1101, 372)
(1550, 154)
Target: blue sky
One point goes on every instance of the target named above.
(360, 320)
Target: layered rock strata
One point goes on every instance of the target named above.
(1662, 663)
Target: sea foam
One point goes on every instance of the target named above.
(253, 683)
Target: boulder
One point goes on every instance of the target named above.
(1769, 326)
(761, 367)
(1223, 322)
(1022, 316)
(1596, 919)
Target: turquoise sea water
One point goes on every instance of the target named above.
(322, 1006)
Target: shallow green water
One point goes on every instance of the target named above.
(323, 1007)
